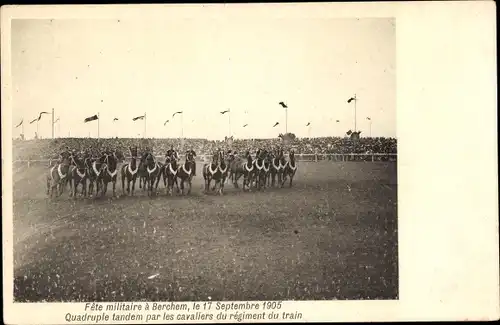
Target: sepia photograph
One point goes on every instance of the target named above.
(249, 163)
(185, 160)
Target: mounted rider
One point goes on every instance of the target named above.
(193, 154)
(172, 154)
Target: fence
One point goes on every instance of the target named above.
(299, 157)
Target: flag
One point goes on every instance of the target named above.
(90, 119)
(224, 112)
(276, 124)
(139, 118)
(349, 132)
(34, 121)
(369, 119)
(20, 123)
(166, 122)
(283, 105)
(245, 125)
(115, 119)
(179, 112)
(40, 116)
(56, 120)
(351, 99)
(338, 121)
(308, 123)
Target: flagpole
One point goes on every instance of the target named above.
(182, 125)
(229, 122)
(98, 126)
(370, 127)
(286, 120)
(37, 135)
(22, 129)
(144, 125)
(355, 102)
(52, 122)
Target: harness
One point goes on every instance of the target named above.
(223, 170)
(212, 171)
(172, 171)
(150, 171)
(97, 172)
(133, 172)
(184, 168)
(59, 171)
(257, 164)
(245, 166)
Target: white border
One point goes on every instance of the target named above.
(447, 161)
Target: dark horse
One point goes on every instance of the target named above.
(95, 167)
(290, 168)
(78, 175)
(248, 170)
(153, 173)
(185, 172)
(170, 174)
(129, 171)
(110, 174)
(211, 171)
(260, 169)
(277, 167)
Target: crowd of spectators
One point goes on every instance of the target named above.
(48, 148)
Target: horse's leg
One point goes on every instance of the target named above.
(134, 179)
(114, 187)
(183, 182)
(177, 184)
(48, 185)
(84, 189)
(190, 184)
(74, 189)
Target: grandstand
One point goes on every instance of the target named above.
(326, 147)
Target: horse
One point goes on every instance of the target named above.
(170, 174)
(57, 177)
(260, 170)
(236, 169)
(96, 167)
(110, 173)
(185, 172)
(78, 174)
(129, 171)
(277, 167)
(211, 171)
(142, 173)
(153, 173)
(289, 169)
(248, 170)
(224, 171)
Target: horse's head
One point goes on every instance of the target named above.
(149, 159)
(78, 162)
(222, 158)
(133, 151)
(110, 159)
(291, 155)
(189, 157)
(118, 155)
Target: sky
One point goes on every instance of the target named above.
(125, 68)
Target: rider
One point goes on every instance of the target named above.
(65, 154)
(172, 153)
(193, 153)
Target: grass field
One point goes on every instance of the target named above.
(331, 236)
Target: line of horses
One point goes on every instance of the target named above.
(267, 169)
